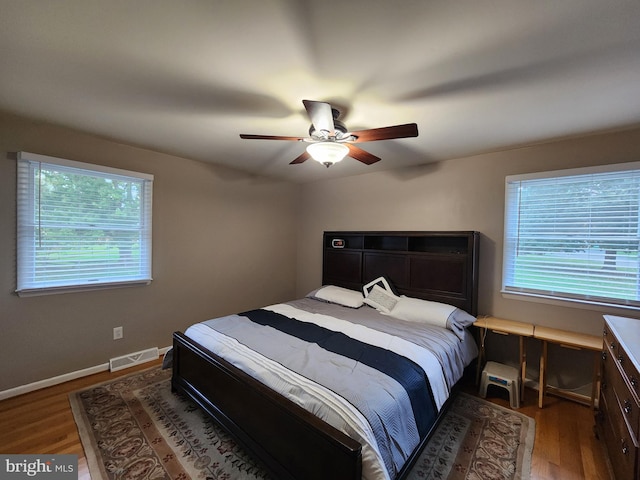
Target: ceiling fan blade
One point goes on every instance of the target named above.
(362, 155)
(320, 114)
(303, 157)
(269, 137)
(386, 133)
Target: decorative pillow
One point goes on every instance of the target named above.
(339, 295)
(381, 299)
(433, 313)
(382, 282)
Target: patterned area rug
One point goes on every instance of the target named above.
(134, 428)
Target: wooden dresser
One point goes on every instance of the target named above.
(618, 421)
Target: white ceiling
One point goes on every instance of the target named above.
(187, 77)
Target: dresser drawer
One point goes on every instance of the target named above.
(610, 341)
(611, 410)
(616, 350)
(620, 374)
(630, 372)
(625, 400)
(622, 451)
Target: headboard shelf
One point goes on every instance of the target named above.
(386, 243)
(439, 242)
(437, 266)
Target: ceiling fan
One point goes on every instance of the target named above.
(330, 141)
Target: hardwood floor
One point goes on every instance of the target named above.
(565, 447)
(42, 422)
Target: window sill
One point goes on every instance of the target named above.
(36, 292)
(611, 308)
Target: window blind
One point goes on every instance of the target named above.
(80, 225)
(574, 235)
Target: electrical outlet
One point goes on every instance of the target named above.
(117, 333)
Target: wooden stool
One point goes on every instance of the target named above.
(502, 376)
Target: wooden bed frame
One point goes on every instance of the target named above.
(291, 442)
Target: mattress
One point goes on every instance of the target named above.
(380, 380)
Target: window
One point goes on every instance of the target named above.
(573, 235)
(81, 226)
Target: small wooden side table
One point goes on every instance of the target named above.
(504, 327)
(567, 339)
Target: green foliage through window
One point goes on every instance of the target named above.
(81, 225)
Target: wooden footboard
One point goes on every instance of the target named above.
(291, 442)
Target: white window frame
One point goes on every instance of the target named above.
(553, 291)
(30, 280)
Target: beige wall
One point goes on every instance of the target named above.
(462, 194)
(217, 249)
(219, 238)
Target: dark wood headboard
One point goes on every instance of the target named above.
(436, 266)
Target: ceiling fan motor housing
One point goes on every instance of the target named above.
(339, 128)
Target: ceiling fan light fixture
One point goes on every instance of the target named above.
(330, 141)
(327, 153)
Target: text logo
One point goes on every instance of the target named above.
(42, 467)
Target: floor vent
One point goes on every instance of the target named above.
(132, 359)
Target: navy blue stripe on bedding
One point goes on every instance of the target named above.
(406, 372)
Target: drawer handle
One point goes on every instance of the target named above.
(620, 359)
(604, 356)
(627, 407)
(613, 345)
(625, 449)
(634, 382)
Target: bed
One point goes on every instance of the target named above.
(303, 430)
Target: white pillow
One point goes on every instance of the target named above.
(422, 311)
(341, 296)
(433, 313)
(381, 299)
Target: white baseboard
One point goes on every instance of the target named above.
(49, 382)
(164, 350)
